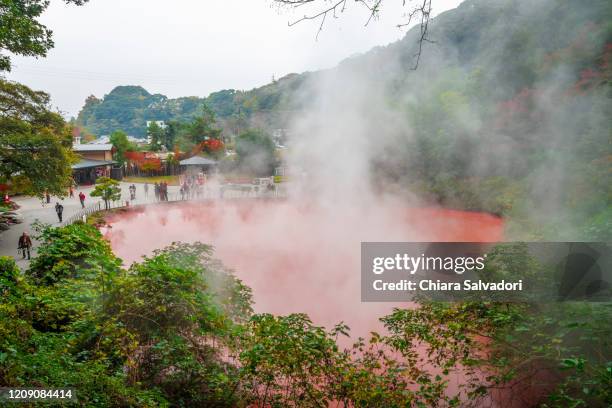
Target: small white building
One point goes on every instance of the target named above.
(160, 123)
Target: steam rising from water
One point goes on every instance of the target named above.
(296, 257)
(303, 254)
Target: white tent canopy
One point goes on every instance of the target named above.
(197, 161)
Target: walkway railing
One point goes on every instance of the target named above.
(227, 191)
(83, 213)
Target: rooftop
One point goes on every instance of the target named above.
(197, 161)
(88, 164)
(92, 147)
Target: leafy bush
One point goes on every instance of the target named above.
(71, 252)
(177, 329)
(181, 309)
(157, 332)
(9, 275)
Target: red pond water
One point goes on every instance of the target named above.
(297, 258)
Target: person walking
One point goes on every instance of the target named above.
(71, 191)
(82, 199)
(146, 190)
(59, 209)
(156, 190)
(24, 245)
(48, 197)
(164, 191)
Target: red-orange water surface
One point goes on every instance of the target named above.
(297, 257)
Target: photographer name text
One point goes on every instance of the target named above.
(437, 285)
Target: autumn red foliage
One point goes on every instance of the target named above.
(144, 160)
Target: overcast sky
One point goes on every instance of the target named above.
(192, 47)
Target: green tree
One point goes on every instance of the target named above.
(20, 31)
(78, 250)
(35, 143)
(187, 136)
(204, 127)
(170, 133)
(255, 150)
(107, 189)
(121, 144)
(157, 135)
(9, 276)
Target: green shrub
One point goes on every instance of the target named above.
(177, 329)
(9, 276)
(75, 251)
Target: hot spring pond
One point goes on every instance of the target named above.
(296, 257)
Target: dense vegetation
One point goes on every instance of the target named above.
(35, 154)
(255, 150)
(177, 329)
(509, 112)
(35, 142)
(20, 31)
(130, 107)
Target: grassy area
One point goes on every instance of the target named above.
(171, 180)
(98, 218)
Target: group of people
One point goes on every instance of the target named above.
(59, 208)
(24, 244)
(191, 190)
(47, 199)
(161, 191)
(192, 187)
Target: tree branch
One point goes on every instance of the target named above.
(421, 11)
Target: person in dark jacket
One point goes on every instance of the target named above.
(157, 191)
(25, 244)
(82, 199)
(163, 187)
(59, 209)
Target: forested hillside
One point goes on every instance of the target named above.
(504, 45)
(129, 107)
(508, 111)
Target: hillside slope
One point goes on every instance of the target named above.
(129, 107)
(478, 35)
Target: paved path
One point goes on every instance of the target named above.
(31, 209)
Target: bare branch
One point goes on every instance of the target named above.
(321, 14)
(421, 11)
